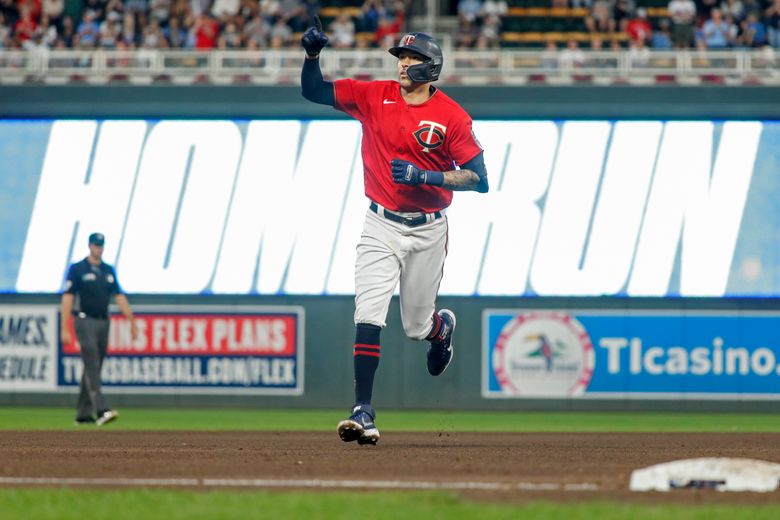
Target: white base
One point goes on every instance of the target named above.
(722, 474)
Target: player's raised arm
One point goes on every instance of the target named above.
(472, 176)
(313, 87)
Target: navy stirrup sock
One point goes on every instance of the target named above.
(366, 357)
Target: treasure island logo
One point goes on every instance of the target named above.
(543, 355)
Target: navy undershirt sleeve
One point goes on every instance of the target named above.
(313, 87)
(477, 165)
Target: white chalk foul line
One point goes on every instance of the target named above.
(305, 483)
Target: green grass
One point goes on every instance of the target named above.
(187, 505)
(134, 419)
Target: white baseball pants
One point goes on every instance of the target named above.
(391, 252)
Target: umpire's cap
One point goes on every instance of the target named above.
(97, 238)
(429, 49)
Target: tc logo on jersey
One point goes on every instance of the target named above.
(430, 135)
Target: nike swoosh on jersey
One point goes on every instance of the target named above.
(387, 102)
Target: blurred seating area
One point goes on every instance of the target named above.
(480, 24)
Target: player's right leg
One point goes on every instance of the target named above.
(377, 271)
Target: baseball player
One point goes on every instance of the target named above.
(414, 136)
(88, 288)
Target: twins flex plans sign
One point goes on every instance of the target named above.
(246, 350)
(644, 355)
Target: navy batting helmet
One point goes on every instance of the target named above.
(429, 49)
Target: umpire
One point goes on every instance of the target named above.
(88, 289)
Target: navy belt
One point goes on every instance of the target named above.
(417, 220)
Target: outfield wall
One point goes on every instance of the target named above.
(680, 366)
(686, 326)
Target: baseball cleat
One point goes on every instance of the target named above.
(106, 417)
(440, 352)
(359, 426)
(85, 421)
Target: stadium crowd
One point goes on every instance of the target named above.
(256, 24)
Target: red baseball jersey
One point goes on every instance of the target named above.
(434, 135)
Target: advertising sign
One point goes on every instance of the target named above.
(255, 350)
(575, 208)
(553, 354)
(28, 348)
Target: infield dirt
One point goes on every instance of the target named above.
(602, 460)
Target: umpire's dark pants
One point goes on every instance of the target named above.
(93, 337)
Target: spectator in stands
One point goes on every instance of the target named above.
(25, 26)
(493, 7)
(639, 28)
(311, 8)
(466, 36)
(49, 32)
(53, 10)
(97, 7)
(88, 30)
(752, 6)
(622, 12)
(222, 10)
(206, 31)
(281, 34)
(5, 33)
(703, 8)
(115, 11)
(136, 6)
(175, 34)
(343, 31)
(160, 10)
(67, 35)
(597, 57)
(153, 37)
(662, 36)
(683, 15)
(230, 38)
(599, 19)
(469, 10)
(108, 35)
(735, 8)
(638, 53)
(752, 32)
(772, 14)
(129, 34)
(369, 16)
(269, 10)
(572, 56)
(491, 30)
(181, 9)
(389, 28)
(718, 33)
(549, 56)
(292, 11)
(257, 32)
(35, 45)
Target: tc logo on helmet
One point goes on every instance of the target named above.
(407, 40)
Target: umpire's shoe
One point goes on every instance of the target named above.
(359, 426)
(106, 416)
(440, 351)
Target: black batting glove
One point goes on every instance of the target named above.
(405, 172)
(314, 39)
